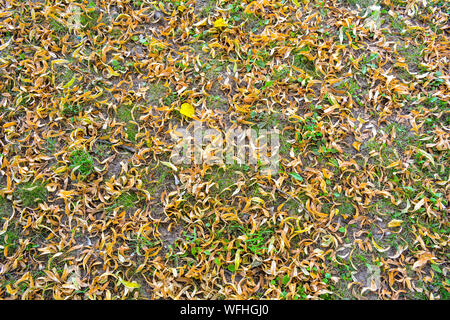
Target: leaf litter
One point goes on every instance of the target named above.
(91, 206)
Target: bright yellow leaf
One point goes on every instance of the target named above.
(70, 83)
(395, 223)
(187, 110)
(129, 285)
(168, 164)
(378, 247)
(220, 23)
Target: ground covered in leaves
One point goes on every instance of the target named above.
(91, 206)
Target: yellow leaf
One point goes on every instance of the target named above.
(356, 145)
(122, 15)
(380, 249)
(425, 154)
(10, 290)
(59, 61)
(60, 169)
(112, 72)
(423, 259)
(201, 23)
(394, 164)
(220, 23)
(187, 110)
(9, 124)
(70, 83)
(395, 223)
(419, 204)
(168, 164)
(323, 186)
(6, 44)
(237, 259)
(129, 285)
(95, 96)
(66, 194)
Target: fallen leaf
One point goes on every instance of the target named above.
(220, 23)
(187, 110)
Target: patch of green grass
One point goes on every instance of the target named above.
(132, 131)
(263, 58)
(302, 62)
(413, 54)
(236, 11)
(125, 114)
(51, 145)
(216, 102)
(117, 66)
(125, 201)
(400, 3)
(384, 206)
(89, 20)
(344, 273)
(254, 23)
(361, 3)
(286, 139)
(58, 27)
(170, 98)
(72, 109)
(5, 207)
(371, 145)
(142, 244)
(101, 150)
(266, 120)
(346, 208)
(396, 24)
(157, 180)
(438, 80)
(163, 174)
(389, 154)
(350, 85)
(82, 162)
(435, 104)
(213, 68)
(254, 241)
(137, 3)
(301, 294)
(280, 74)
(309, 130)
(10, 240)
(404, 74)
(116, 33)
(32, 193)
(367, 62)
(223, 180)
(208, 6)
(156, 91)
(63, 74)
(403, 137)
